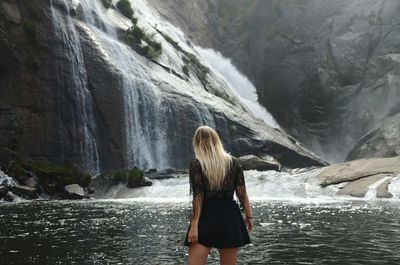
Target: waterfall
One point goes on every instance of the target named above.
(83, 125)
(239, 83)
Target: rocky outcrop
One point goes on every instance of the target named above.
(362, 175)
(382, 141)
(74, 192)
(25, 192)
(72, 91)
(353, 170)
(249, 162)
(328, 72)
(359, 187)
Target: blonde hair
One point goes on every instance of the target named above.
(213, 158)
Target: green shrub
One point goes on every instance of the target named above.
(135, 178)
(155, 49)
(30, 29)
(135, 35)
(124, 6)
(134, 20)
(200, 70)
(107, 3)
(132, 178)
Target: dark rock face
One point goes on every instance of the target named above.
(333, 65)
(64, 100)
(3, 191)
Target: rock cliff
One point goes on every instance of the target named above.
(328, 71)
(73, 90)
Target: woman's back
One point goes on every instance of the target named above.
(199, 182)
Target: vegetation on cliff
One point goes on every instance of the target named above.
(50, 177)
(143, 42)
(124, 6)
(133, 178)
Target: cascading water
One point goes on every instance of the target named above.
(295, 186)
(76, 85)
(239, 83)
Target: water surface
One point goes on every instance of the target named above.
(129, 232)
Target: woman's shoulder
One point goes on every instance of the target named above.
(194, 163)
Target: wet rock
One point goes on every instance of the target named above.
(25, 191)
(359, 187)
(74, 192)
(3, 191)
(353, 170)
(382, 190)
(11, 11)
(249, 162)
(91, 190)
(31, 182)
(166, 173)
(138, 182)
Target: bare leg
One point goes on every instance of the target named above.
(198, 254)
(228, 256)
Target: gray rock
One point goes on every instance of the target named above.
(254, 162)
(25, 191)
(382, 141)
(342, 58)
(359, 187)
(382, 190)
(101, 86)
(11, 11)
(357, 169)
(74, 191)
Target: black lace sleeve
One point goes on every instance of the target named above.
(240, 186)
(196, 178)
(239, 176)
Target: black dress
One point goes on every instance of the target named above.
(221, 224)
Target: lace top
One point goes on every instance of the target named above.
(199, 185)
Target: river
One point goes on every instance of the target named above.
(126, 231)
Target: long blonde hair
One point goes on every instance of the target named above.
(214, 160)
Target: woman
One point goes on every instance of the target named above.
(216, 220)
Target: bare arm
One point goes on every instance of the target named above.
(197, 205)
(244, 200)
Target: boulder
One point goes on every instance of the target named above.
(249, 162)
(138, 182)
(3, 191)
(353, 170)
(359, 187)
(25, 191)
(74, 192)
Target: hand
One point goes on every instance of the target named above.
(193, 234)
(249, 223)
